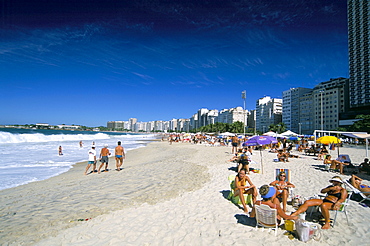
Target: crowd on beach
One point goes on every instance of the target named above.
(275, 194)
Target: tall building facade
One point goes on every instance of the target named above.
(291, 108)
(329, 101)
(268, 112)
(358, 12)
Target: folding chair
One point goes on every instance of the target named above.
(266, 217)
(343, 208)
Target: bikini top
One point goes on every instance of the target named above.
(337, 195)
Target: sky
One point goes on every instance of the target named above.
(88, 62)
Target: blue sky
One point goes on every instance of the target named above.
(89, 62)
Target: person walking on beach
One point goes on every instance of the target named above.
(104, 153)
(81, 144)
(119, 156)
(91, 160)
(60, 150)
(234, 143)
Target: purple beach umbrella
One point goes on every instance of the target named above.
(260, 140)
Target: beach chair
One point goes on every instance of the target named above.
(364, 196)
(342, 209)
(266, 217)
(235, 199)
(288, 179)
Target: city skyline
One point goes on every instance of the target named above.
(94, 62)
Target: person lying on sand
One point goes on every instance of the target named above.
(268, 194)
(241, 188)
(336, 194)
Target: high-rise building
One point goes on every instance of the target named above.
(268, 112)
(358, 12)
(329, 100)
(291, 108)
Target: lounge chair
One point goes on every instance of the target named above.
(266, 217)
(364, 195)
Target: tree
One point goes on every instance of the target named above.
(362, 125)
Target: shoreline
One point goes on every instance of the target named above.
(35, 210)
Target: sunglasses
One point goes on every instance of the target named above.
(282, 176)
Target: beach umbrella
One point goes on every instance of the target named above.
(329, 140)
(258, 141)
(294, 138)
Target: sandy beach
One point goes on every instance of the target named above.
(165, 195)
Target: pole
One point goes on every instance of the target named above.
(322, 113)
(244, 96)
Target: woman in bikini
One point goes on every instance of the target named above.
(241, 188)
(334, 163)
(268, 194)
(282, 186)
(336, 194)
(356, 182)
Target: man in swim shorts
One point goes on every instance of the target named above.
(104, 153)
(119, 156)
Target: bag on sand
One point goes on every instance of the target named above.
(307, 230)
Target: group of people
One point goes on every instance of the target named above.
(119, 154)
(277, 191)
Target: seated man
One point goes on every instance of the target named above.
(282, 156)
(365, 166)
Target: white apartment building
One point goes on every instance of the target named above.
(291, 108)
(268, 112)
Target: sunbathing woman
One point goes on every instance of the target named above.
(282, 156)
(240, 188)
(268, 198)
(334, 163)
(356, 182)
(282, 186)
(336, 194)
(323, 151)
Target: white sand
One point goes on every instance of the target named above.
(190, 208)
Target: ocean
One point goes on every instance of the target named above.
(28, 155)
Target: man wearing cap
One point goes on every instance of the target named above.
(336, 194)
(104, 153)
(91, 160)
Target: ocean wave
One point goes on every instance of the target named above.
(6, 137)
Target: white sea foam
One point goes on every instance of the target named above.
(32, 156)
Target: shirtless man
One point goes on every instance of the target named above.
(234, 143)
(119, 155)
(104, 154)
